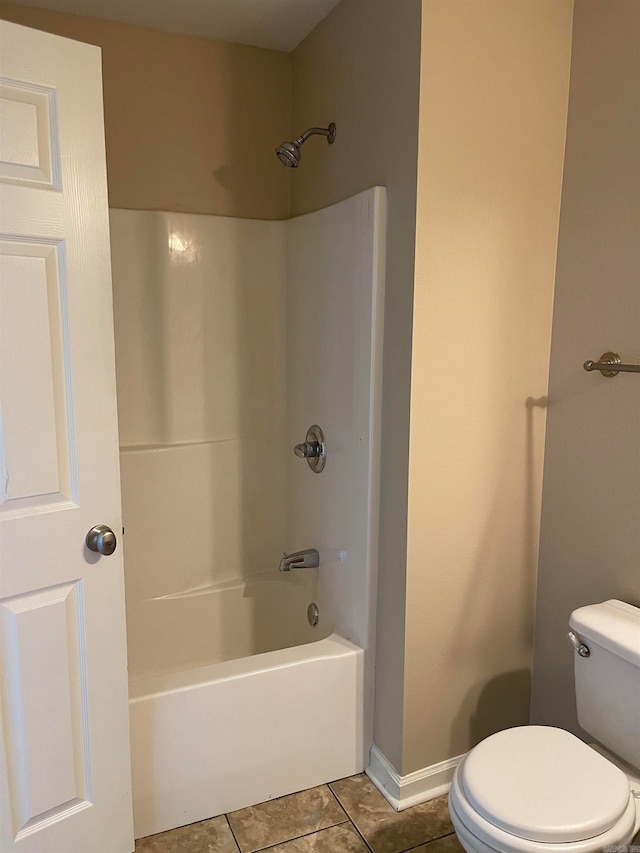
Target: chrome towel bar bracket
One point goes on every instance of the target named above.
(610, 365)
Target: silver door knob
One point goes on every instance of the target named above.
(101, 539)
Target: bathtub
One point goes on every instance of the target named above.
(215, 738)
(221, 622)
(225, 356)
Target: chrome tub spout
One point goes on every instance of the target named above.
(307, 559)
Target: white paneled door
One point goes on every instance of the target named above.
(64, 734)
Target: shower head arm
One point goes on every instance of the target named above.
(329, 132)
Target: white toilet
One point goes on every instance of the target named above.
(538, 788)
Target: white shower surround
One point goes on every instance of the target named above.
(232, 337)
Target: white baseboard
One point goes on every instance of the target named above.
(414, 788)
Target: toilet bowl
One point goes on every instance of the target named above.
(538, 788)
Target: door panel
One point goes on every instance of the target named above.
(64, 741)
(34, 355)
(43, 642)
(28, 135)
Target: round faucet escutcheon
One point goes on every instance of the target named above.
(313, 449)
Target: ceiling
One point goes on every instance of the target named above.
(275, 24)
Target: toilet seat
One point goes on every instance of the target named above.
(492, 840)
(516, 793)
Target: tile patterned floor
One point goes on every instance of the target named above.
(348, 816)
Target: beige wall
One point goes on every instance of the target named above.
(493, 104)
(590, 542)
(360, 68)
(190, 124)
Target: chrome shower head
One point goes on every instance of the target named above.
(289, 153)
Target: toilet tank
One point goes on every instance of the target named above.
(608, 680)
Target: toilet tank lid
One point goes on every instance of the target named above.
(613, 624)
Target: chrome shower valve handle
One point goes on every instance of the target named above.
(307, 449)
(313, 449)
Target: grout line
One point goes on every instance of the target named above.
(335, 797)
(351, 821)
(427, 843)
(360, 835)
(298, 837)
(233, 835)
(408, 849)
(295, 837)
(346, 810)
